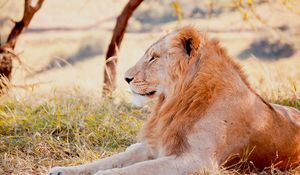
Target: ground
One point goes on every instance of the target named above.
(54, 113)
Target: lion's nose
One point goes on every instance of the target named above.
(128, 79)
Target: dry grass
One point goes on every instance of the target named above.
(63, 130)
(73, 128)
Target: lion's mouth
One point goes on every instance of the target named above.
(145, 94)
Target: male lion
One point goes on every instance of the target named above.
(206, 111)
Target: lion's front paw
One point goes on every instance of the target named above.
(61, 171)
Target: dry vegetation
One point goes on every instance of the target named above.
(65, 129)
(54, 114)
(72, 127)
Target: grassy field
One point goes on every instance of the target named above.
(66, 129)
(73, 127)
(54, 115)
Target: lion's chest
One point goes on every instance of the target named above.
(164, 137)
(153, 135)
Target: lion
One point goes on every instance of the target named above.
(205, 112)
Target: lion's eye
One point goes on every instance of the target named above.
(151, 59)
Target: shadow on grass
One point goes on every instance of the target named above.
(85, 52)
(268, 50)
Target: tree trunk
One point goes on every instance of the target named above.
(118, 33)
(5, 70)
(6, 50)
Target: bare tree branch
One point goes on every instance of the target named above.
(29, 11)
(7, 50)
(118, 33)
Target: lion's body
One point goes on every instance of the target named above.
(206, 114)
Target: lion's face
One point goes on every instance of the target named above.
(157, 72)
(149, 77)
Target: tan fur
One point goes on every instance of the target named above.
(206, 112)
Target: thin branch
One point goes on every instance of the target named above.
(26, 86)
(29, 12)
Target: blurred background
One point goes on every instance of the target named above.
(66, 41)
(61, 55)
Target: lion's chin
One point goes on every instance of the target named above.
(139, 100)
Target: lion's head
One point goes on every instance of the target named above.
(159, 70)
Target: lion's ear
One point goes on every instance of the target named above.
(188, 39)
(188, 46)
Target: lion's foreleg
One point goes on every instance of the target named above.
(135, 153)
(171, 165)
